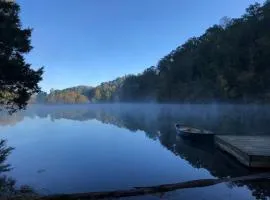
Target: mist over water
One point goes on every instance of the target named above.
(82, 148)
(221, 119)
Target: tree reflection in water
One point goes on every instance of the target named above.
(157, 121)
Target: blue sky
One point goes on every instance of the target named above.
(86, 42)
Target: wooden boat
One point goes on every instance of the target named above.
(186, 131)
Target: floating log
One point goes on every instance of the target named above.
(139, 191)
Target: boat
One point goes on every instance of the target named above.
(186, 131)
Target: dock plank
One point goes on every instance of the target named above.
(252, 151)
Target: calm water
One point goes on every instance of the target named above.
(65, 149)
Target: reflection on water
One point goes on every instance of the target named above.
(6, 183)
(117, 151)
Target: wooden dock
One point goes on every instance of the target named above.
(252, 151)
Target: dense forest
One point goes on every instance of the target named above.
(230, 62)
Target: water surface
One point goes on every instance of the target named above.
(83, 148)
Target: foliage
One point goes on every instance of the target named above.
(108, 91)
(66, 96)
(142, 87)
(83, 90)
(105, 92)
(6, 184)
(17, 80)
(229, 62)
(4, 152)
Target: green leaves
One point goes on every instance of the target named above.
(4, 152)
(228, 62)
(18, 80)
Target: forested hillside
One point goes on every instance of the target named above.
(69, 96)
(229, 62)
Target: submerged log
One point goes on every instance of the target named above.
(139, 191)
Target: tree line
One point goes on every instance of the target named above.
(230, 62)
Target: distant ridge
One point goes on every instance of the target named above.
(228, 63)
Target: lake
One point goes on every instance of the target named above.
(84, 148)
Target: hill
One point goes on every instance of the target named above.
(228, 63)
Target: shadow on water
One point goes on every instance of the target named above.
(157, 121)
